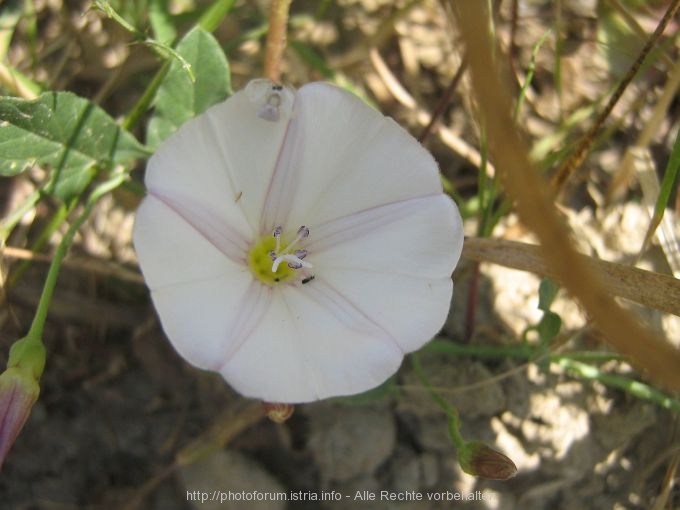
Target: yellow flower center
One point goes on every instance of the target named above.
(273, 263)
(260, 263)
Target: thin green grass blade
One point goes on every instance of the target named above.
(668, 183)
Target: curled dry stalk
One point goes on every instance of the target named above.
(523, 184)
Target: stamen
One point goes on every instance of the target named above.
(301, 234)
(277, 236)
(294, 259)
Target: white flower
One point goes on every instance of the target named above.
(297, 242)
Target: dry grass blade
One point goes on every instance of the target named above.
(424, 118)
(662, 500)
(624, 175)
(662, 221)
(579, 155)
(96, 266)
(8, 78)
(445, 101)
(647, 288)
(658, 358)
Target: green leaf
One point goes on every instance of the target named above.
(66, 132)
(178, 98)
(161, 21)
(214, 15)
(549, 326)
(9, 18)
(547, 290)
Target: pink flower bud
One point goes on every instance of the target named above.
(478, 459)
(277, 412)
(18, 392)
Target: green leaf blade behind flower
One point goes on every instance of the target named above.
(178, 98)
(69, 134)
(161, 21)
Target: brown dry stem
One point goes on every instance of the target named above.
(654, 290)
(276, 39)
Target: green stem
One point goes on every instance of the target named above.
(635, 388)
(449, 409)
(521, 351)
(57, 219)
(144, 102)
(572, 362)
(40, 317)
(212, 18)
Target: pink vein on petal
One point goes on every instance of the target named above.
(252, 309)
(216, 231)
(283, 182)
(347, 312)
(336, 231)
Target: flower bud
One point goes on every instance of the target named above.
(278, 412)
(478, 459)
(18, 392)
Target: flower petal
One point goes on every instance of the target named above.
(199, 293)
(411, 309)
(350, 157)
(225, 157)
(171, 249)
(203, 319)
(421, 236)
(310, 345)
